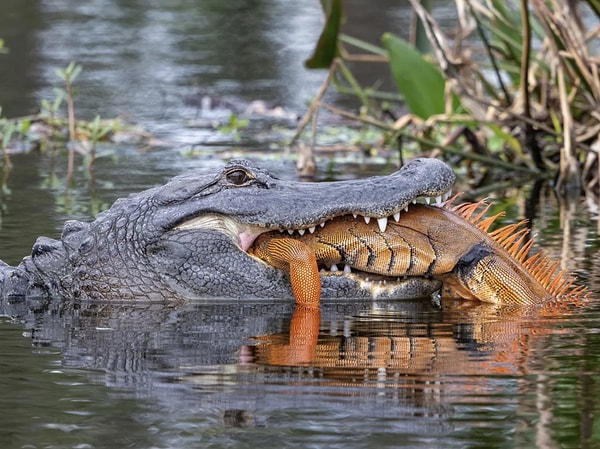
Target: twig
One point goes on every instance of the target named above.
(315, 103)
(366, 58)
(530, 140)
(72, 133)
(525, 52)
(488, 49)
(569, 171)
(358, 90)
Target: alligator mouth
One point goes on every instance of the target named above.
(244, 235)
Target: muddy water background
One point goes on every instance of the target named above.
(145, 376)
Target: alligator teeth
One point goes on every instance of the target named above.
(382, 222)
(347, 269)
(334, 268)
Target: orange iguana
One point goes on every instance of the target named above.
(449, 243)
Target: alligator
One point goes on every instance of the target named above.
(200, 235)
(190, 237)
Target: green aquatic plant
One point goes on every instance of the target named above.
(7, 129)
(68, 75)
(49, 129)
(234, 126)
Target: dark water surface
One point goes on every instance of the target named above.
(233, 374)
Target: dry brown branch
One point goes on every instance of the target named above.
(569, 176)
(314, 105)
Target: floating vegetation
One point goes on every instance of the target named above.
(49, 131)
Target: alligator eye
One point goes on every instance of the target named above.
(238, 177)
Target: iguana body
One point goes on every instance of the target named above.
(450, 244)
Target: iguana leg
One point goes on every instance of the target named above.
(304, 334)
(297, 349)
(296, 258)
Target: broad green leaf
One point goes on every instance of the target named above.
(326, 48)
(418, 80)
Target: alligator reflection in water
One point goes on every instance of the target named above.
(402, 350)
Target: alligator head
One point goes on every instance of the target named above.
(190, 237)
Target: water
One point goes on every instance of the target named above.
(233, 374)
(142, 61)
(386, 375)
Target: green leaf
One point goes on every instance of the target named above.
(75, 70)
(24, 125)
(59, 92)
(70, 73)
(326, 48)
(418, 80)
(505, 137)
(556, 122)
